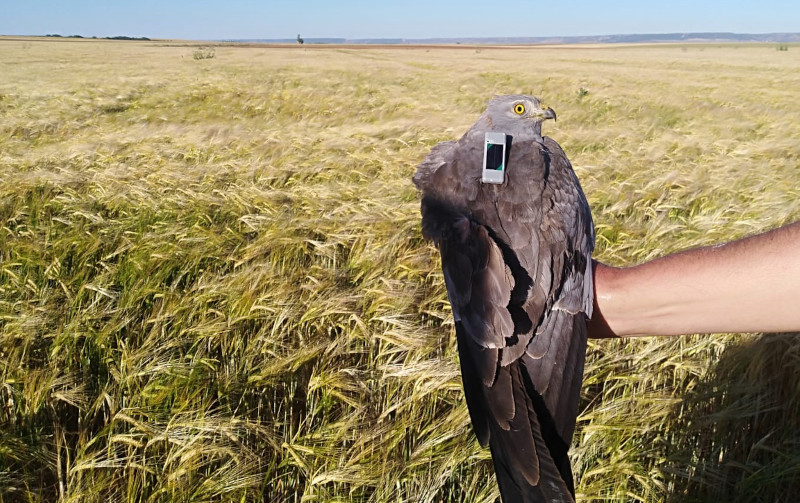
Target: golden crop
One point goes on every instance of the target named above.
(213, 285)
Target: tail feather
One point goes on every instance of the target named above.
(511, 463)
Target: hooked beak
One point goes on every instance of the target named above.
(549, 113)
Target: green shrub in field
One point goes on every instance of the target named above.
(204, 53)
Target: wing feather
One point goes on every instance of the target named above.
(440, 155)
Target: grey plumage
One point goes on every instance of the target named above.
(516, 259)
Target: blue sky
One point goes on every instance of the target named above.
(240, 19)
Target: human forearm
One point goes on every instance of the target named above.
(750, 285)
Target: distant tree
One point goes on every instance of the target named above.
(299, 40)
(123, 37)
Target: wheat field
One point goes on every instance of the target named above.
(213, 285)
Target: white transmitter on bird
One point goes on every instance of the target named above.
(516, 258)
(494, 157)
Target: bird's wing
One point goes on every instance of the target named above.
(554, 357)
(439, 156)
(506, 413)
(478, 285)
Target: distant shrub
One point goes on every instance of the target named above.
(114, 108)
(582, 92)
(204, 53)
(783, 47)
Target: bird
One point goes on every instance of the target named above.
(516, 261)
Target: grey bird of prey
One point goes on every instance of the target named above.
(516, 259)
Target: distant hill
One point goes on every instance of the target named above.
(55, 35)
(595, 39)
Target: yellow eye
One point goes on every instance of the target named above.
(519, 109)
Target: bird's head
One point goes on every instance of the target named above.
(518, 114)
